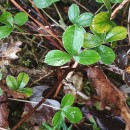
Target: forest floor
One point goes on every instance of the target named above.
(101, 91)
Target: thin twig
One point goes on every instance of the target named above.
(82, 6)
(52, 19)
(24, 33)
(125, 10)
(67, 78)
(114, 13)
(3, 128)
(71, 73)
(38, 12)
(129, 25)
(32, 102)
(99, 9)
(74, 89)
(44, 76)
(35, 108)
(58, 89)
(61, 19)
(18, 6)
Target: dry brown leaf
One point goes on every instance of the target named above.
(43, 114)
(109, 95)
(77, 80)
(12, 93)
(4, 112)
(8, 52)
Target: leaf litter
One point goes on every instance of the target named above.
(108, 94)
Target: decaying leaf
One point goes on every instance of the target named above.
(109, 95)
(125, 88)
(12, 93)
(77, 80)
(126, 77)
(121, 60)
(8, 52)
(45, 112)
(42, 115)
(4, 112)
(103, 120)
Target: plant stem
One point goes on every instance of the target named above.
(52, 19)
(37, 22)
(61, 19)
(32, 102)
(40, 103)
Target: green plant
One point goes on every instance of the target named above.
(88, 48)
(73, 114)
(113, 1)
(9, 22)
(92, 120)
(1, 75)
(44, 3)
(19, 83)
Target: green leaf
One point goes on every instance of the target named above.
(73, 114)
(92, 120)
(27, 91)
(46, 126)
(101, 23)
(73, 13)
(87, 57)
(56, 119)
(84, 19)
(11, 82)
(1, 92)
(73, 39)
(116, 1)
(57, 58)
(107, 3)
(5, 31)
(113, 1)
(44, 3)
(100, 36)
(67, 100)
(91, 41)
(1, 75)
(6, 18)
(22, 80)
(99, 1)
(106, 53)
(20, 18)
(116, 33)
(113, 44)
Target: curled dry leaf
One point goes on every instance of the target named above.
(125, 88)
(4, 112)
(45, 112)
(109, 95)
(77, 80)
(8, 52)
(121, 60)
(103, 120)
(12, 93)
(42, 115)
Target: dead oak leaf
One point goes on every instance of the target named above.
(4, 112)
(8, 52)
(109, 94)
